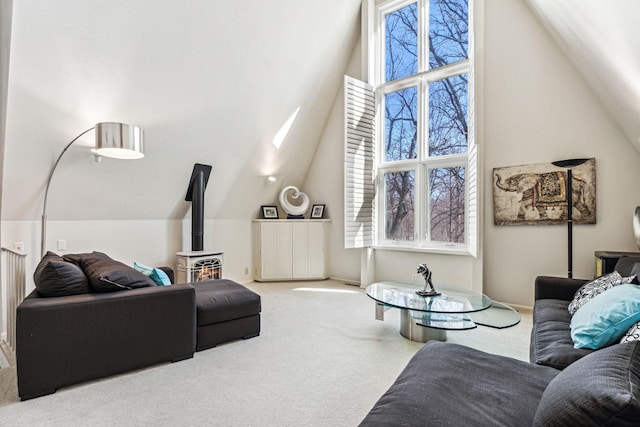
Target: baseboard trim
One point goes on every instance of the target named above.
(347, 281)
(522, 308)
(4, 353)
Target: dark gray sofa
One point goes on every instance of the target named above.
(447, 384)
(551, 342)
(450, 384)
(69, 339)
(91, 316)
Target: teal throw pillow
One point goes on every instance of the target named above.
(603, 320)
(155, 274)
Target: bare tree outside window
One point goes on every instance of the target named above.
(401, 43)
(448, 32)
(448, 126)
(446, 118)
(446, 187)
(399, 198)
(401, 124)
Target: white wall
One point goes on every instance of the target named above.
(325, 180)
(231, 236)
(151, 242)
(539, 109)
(602, 37)
(202, 86)
(453, 270)
(536, 109)
(208, 82)
(5, 47)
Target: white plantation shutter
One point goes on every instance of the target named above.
(472, 206)
(359, 163)
(473, 197)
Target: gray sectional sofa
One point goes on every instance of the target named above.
(69, 339)
(91, 316)
(450, 384)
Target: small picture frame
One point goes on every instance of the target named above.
(270, 212)
(317, 212)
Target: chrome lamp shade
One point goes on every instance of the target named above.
(119, 141)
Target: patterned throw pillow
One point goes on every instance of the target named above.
(633, 334)
(596, 287)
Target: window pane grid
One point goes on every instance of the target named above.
(425, 121)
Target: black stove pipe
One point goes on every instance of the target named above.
(195, 194)
(197, 213)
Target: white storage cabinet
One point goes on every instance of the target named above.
(296, 249)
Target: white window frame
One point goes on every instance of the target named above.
(422, 163)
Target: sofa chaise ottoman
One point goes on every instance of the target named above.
(226, 311)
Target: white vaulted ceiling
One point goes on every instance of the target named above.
(213, 81)
(209, 82)
(602, 38)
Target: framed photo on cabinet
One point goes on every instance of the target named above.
(317, 212)
(270, 212)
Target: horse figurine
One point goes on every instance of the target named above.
(426, 273)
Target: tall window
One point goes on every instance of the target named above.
(423, 108)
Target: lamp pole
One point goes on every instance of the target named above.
(115, 140)
(569, 192)
(43, 231)
(569, 164)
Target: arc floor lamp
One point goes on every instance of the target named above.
(569, 164)
(114, 140)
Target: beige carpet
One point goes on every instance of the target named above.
(321, 360)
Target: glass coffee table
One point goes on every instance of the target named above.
(424, 318)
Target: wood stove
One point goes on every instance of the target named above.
(196, 266)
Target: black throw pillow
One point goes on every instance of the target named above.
(108, 275)
(635, 271)
(55, 277)
(625, 265)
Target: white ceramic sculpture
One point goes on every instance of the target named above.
(290, 208)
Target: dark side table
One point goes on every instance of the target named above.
(606, 260)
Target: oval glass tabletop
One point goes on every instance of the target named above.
(451, 300)
(498, 316)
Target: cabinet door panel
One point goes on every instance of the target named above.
(300, 252)
(284, 260)
(315, 237)
(268, 253)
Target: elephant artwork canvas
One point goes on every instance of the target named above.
(536, 194)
